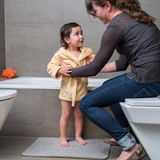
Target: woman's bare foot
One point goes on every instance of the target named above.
(63, 142)
(126, 154)
(81, 141)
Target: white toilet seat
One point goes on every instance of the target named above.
(150, 101)
(7, 94)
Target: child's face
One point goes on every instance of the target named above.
(76, 38)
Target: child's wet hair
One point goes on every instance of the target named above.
(65, 31)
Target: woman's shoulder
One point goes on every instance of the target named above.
(121, 17)
(119, 22)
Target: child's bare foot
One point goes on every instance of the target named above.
(81, 141)
(63, 142)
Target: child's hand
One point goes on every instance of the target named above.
(65, 69)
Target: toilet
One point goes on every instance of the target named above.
(7, 98)
(143, 114)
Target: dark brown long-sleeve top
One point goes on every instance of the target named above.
(138, 45)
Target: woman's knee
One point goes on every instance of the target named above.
(83, 105)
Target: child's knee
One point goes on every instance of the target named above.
(66, 115)
(78, 113)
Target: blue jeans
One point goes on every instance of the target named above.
(111, 93)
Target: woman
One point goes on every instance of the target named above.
(137, 39)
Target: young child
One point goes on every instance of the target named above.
(72, 89)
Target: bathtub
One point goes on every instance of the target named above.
(43, 83)
(37, 109)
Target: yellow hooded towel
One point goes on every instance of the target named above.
(72, 89)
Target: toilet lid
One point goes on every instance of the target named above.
(6, 94)
(153, 101)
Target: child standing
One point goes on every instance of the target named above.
(72, 89)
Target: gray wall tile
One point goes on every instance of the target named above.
(2, 61)
(26, 109)
(2, 11)
(21, 130)
(33, 11)
(152, 8)
(33, 38)
(2, 37)
(31, 47)
(75, 11)
(51, 131)
(2, 40)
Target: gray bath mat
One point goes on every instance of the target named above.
(50, 147)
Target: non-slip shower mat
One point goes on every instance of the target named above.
(50, 147)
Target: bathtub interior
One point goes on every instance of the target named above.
(31, 81)
(44, 83)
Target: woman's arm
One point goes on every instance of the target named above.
(109, 67)
(110, 40)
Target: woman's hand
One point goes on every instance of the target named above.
(65, 69)
(88, 60)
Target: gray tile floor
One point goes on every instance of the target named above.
(11, 148)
